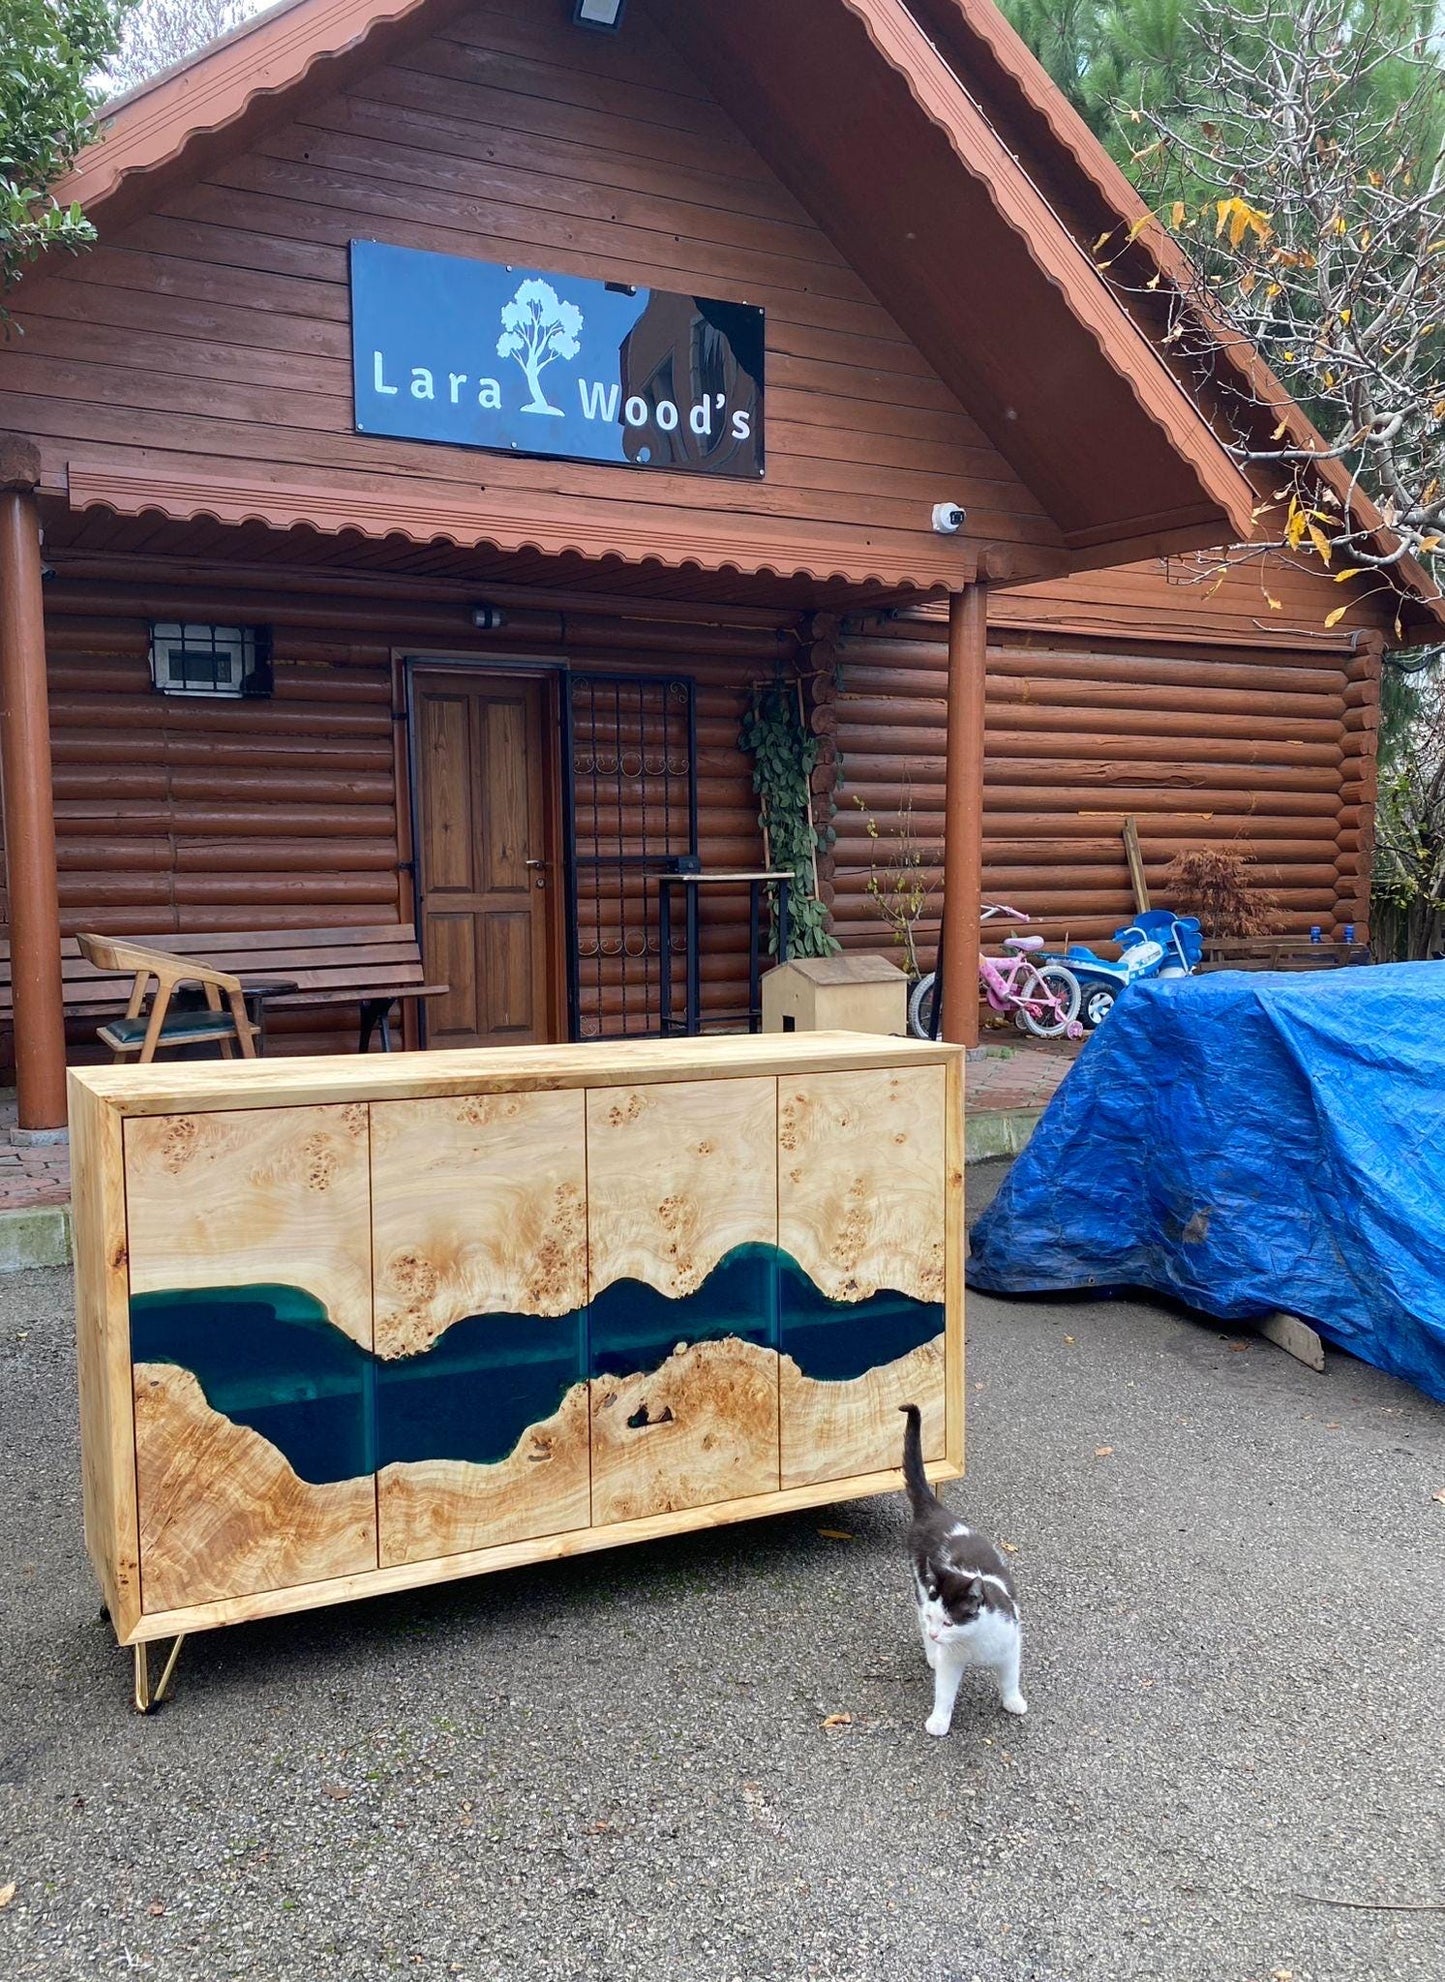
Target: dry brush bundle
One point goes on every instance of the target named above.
(1215, 884)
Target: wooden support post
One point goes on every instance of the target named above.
(1135, 858)
(963, 812)
(29, 809)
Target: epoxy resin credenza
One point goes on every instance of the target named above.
(351, 1325)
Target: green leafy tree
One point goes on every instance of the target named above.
(1107, 55)
(1407, 918)
(53, 53)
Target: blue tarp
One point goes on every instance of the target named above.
(1245, 1142)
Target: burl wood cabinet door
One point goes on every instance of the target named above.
(479, 1244)
(251, 1343)
(682, 1232)
(861, 1232)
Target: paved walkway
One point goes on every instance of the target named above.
(36, 1174)
(1018, 1073)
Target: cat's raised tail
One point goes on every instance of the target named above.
(921, 1495)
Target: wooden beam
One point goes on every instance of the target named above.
(1136, 865)
(963, 812)
(29, 809)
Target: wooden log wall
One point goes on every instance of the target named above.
(178, 813)
(1269, 751)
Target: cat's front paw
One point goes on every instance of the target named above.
(1014, 1703)
(938, 1723)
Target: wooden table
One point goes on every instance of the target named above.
(755, 880)
(356, 1324)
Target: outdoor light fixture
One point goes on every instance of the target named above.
(488, 619)
(604, 14)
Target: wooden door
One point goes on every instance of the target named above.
(487, 891)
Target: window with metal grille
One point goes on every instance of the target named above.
(632, 814)
(191, 659)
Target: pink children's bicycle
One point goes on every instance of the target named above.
(1044, 998)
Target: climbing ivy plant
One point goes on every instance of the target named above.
(784, 754)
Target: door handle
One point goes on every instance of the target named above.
(539, 867)
(536, 863)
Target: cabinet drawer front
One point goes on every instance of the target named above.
(480, 1254)
(682, 1327)
(251, 1345)
(861, 1211)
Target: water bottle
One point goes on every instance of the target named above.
(1350, 933)
(1315, 933)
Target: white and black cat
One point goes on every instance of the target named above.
(967, 1612)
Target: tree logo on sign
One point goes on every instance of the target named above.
(537, 326)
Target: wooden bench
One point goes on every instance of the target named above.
(1279, 953)
(372, 968)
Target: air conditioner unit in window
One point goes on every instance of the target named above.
(187, 659)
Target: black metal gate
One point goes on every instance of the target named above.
(631, 754)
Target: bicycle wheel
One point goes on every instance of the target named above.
(1050, 995)
(920, 1007)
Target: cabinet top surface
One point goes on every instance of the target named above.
(199, 1084)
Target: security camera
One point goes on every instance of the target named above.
(949, 518)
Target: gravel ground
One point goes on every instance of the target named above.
(618, 1769)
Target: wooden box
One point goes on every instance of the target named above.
(353, 1325)
(836, 994)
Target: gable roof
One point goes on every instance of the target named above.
(958, 241)
(1096, 195)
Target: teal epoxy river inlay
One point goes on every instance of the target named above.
(631, 1328)
(267, 1357)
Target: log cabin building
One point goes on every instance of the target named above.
(463, 408)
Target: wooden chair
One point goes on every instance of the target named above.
(144, 1032)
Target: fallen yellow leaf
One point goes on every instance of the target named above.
(838, 1720)
(836, 1535)
(1103, 1451)
(1438, 1494)
(7, 1893)
(1012, 1548)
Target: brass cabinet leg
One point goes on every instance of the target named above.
(145, 1699)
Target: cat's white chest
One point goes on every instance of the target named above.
(992, 1639)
